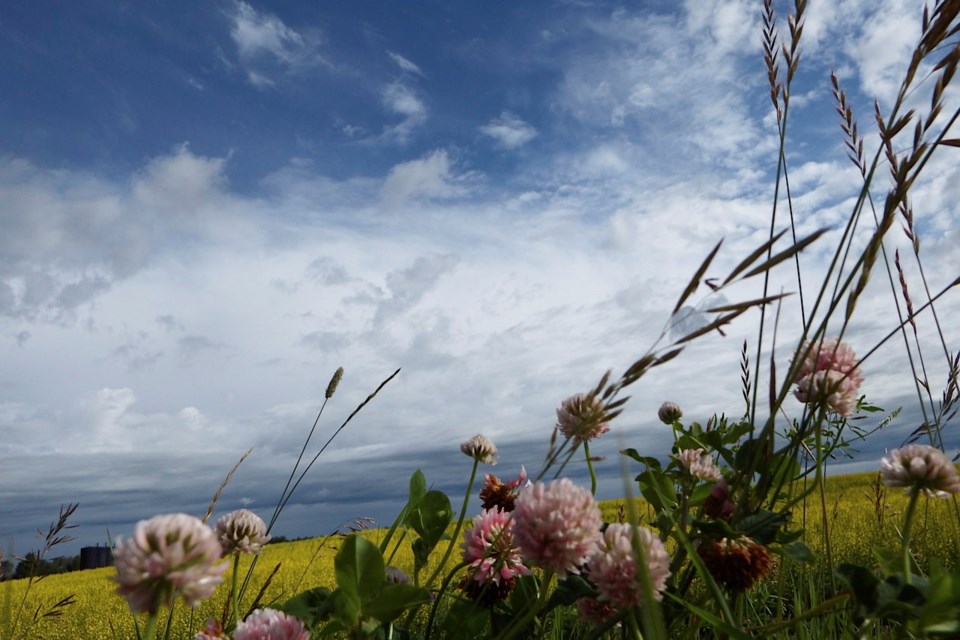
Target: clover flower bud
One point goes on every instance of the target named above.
(669, 412)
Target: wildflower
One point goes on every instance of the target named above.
(718, 504)
(242, 531)
(698, 464)
(828, 375)
(736, 564)
(920, 467)
(480, 448)
(168, 555)
(593, 611)
(270, 624)
(494, 560)
(612, 566)
(669, 412)
(582, 417)
(212, 631)
(556, 525)
(501, 494)
(396, 576)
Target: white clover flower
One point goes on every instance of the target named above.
(242, 531)
(920, 467)
(169, 555)
(583, 418)
(480, 448)
(699, 464)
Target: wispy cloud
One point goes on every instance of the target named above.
(402, 99)
(268, 48)
(405, 65)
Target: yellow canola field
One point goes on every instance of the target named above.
(859, 521)
(99, 614)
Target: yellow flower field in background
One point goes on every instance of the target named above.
(861, 517)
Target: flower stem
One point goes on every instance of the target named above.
(436, 601)
(907, 526)
(150, 631)
(531, 613)
(593, 474)
(234, 595)
(456, 531)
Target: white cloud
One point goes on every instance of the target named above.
(427, 178)
(405, 64)
(267, 47)
(209, 317)
(403, 100)
(882, 51)
(71, 236)
(509, 131)
(675, 81)
(256, 34)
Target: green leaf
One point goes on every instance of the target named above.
(798, 551)
(431, 517)
(650, 461)
(333, 628)
(658, 490)
(863, 584)
(465, 620)
(421, 553)
(762, 525)
(700, 494)
(418, 487)
(359, 571)
(569, 590)
(310, 606)
(392, 600)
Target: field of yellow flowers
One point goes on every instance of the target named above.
(861, 517)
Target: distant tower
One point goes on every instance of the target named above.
(95, 557)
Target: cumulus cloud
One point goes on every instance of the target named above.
(426, 178)
(71, 236)
(509, 131)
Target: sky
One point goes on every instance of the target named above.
(207, 207)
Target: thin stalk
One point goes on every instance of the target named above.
(907, 526)
(519, 623)
(456, 531)
(234, 592)
(821, 463)
(593, 474)
(150, 631)
(436, 601)
(293, 471)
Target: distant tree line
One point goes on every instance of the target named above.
(32, 565)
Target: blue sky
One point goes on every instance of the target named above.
(207, 207)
